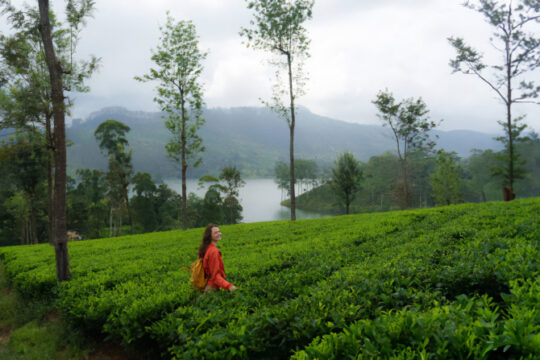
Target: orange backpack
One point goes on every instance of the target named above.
(198, 277)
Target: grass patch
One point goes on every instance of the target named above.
(35, 341)
(33, 330)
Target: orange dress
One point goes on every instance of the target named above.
(214, 268)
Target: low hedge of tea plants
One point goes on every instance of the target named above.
(451, 282)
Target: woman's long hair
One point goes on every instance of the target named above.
(206, 240)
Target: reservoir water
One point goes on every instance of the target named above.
(260, 199)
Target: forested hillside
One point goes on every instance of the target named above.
(253, 139)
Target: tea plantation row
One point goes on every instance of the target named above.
(453, 282)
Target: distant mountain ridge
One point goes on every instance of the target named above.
(251, 138)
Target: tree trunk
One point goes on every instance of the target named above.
(291, 169)
(509, 106)
(510, 143)
(24, 226)
(27, 232)
(50, 202)
(111, 222)
(291, 143)
(231, 220)
(406, 185)
(126, 199)
(402, 193)
(32, 221)
(129, 216)
(119, 227)
(57, 92)
(184, 165)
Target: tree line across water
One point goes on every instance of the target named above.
(119, 201)
(436, 178)
(104, 204)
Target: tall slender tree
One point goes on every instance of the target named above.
(59, 112)
(278, 27)
(410, 125)
(178, 62)
(519, 47)
(25, 89)
(111, 135)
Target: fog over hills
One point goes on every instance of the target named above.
(252, 138)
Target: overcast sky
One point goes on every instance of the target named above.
(358, 48)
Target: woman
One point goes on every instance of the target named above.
(212, 261)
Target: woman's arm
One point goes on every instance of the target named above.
(213, 263)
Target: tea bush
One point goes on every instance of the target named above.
(451, 282)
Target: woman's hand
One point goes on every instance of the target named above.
(233, 288)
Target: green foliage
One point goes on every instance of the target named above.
(87, 205)
(33, 342)
(212, 207)
(510, 156)
(321, 199)
(380, 172)
(408, 121)
(232, 210)
(479, 183)
(8, 306)
(155, 207)
(510, 22)
(119, 177)
(233, 180)
(8, 220)
(279, 25)
(454, 282)
(111, 135)
(215, 208)
(143, 202)
(446, 181)
(478, 179)
(513, 37)
(31, 329)
(306, 172)
(250, 138)
(530, 152)
(283, 176)
(467, 328)
(410, 126)
(179, 66)
(178, 63)
(25, 88)
(22, 160)
(346, 178)
(278, 28)
(25, 93)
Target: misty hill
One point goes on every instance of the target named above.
(251, 138)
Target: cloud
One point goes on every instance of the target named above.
(358, 48)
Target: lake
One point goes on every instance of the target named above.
(260, 199)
